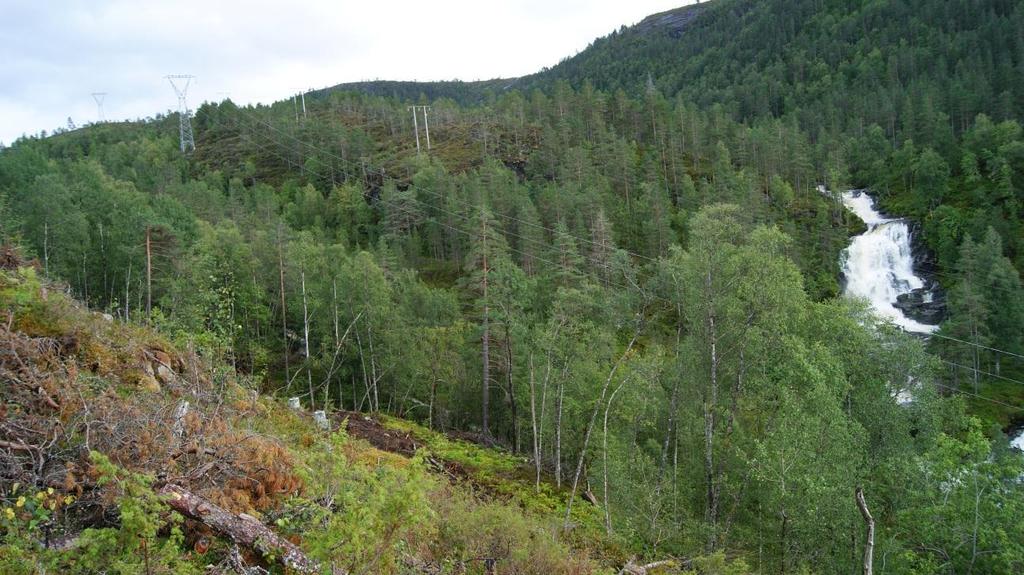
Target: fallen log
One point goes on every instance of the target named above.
(631, 568)
(243, 529)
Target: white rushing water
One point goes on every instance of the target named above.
(1018, 440)
(879, 263)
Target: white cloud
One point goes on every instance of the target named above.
(56, 53)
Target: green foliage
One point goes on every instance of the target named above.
(148, 539)
(665, 178)
(136, 545)
(368, 515)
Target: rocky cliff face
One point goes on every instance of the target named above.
(673, 21)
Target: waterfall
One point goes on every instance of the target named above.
(879, 264)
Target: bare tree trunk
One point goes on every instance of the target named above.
(604, 456)
(590, 426)
(558, 433)
(486, 356)
(305, 338)
(710, 404)
(127, 283)
(374, 379)
(46, 249)
(149, 274)
(511, 390)
(533, 423)
(366, 378)
(430, 408)
(284, 305)
(869, 543)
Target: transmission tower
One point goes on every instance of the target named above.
(188, 143)
(99, 96)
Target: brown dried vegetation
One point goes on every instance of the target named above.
(72, 381)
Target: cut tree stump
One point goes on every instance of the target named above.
(244, 530)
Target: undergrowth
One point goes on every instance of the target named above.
(97, 414)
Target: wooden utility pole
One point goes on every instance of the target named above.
(426, 125)
(416, 127)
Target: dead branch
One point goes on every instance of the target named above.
(17, 446)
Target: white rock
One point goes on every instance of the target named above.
(293, 402)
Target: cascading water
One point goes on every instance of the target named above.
(879, 263)
(879, 266)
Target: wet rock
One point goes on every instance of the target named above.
(926, 305)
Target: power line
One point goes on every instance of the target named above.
(982, 372)
(981, 397)
(1009, 353)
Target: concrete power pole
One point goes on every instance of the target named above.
(416, 126)
(188, 143)
(99, 97)
(426, 124)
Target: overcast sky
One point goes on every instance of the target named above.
(55, 53)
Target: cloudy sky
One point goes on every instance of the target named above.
(57, 52)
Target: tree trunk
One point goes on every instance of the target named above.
(533, 423)
(590, 426)
(305, 339)
(511, 390)
(242, 529)
(558, 433)
(710, 404)
(284, 306)
(149, 273)
(485, 352)
(869, 543)
(604, 456)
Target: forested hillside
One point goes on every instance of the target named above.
(619, 270)
(918, 101)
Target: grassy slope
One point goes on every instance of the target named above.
(114, 388)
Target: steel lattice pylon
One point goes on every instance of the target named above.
(188, 143)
